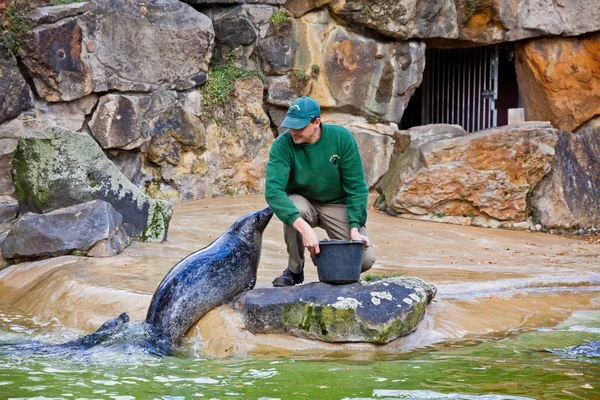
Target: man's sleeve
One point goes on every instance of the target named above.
(278, 174)
(353, 183)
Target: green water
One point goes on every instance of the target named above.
(513, 367)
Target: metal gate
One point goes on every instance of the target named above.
(460, 86)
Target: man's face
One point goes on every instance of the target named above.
(309, 134)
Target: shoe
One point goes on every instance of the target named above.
(288, 278)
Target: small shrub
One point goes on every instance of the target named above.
(315, 70)
(13, 25)
(373, 119)
(279, 17)
(301, 75)
(219, 84)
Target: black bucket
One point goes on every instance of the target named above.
(339, 261)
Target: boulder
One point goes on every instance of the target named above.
(478, 21)
(51, 14)
(351, 73)
(235, 34)
(401, 19)
(232, 159)
(128, 121)
(114, 45)
(375, 143)
(376, 312)
(4, 229)
(569, 196)
(277, 47)
(93, 228)
(489, 173)
(15, 95)
(58, 168)
(300, 7)
(9, 208)
(560, 79)
(229, 2)
(70, 115)
(129, 163)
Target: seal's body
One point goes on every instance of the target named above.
(209, 277)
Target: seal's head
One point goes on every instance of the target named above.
(253, 223)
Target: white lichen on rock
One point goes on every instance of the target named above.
(376, 297)
(346, 303)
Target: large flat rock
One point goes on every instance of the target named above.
(375, 312)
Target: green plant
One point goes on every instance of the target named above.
(13, 25)
(279, 17)
(373, 119)
(315, 70)
(440, 214)
(301, 75)
(219, 84)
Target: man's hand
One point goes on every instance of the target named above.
(309, 236)
(355, 235)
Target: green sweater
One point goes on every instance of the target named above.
(327, 171)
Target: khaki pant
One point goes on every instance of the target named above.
(331, 217)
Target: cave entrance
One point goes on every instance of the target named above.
(472, 87)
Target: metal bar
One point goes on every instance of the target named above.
(446, 87)
(463, 61)
(439, 89)
(495, 77)
(423, 90)
(453, 73)
(468, 109)
(485, 79)
(479, 59)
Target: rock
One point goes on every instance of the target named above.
(15, 95)
(128, 121)
(351, 73)
(567, 198)
(233, 158)
(376, 312)
(213, 2)
(113, 46)
(375, 143)
(401, 19)
(93, 228)
(489, 22)
(70, 115)
(4, 229)
(51, 14)
(235, 34)
(277, 47)
(407, 144)
(57, 168)
(300, 7)
(280, 91)
(129, 163)
(489, 173)
(560, 79)
(9, 208)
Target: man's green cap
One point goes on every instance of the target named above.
(301, 112)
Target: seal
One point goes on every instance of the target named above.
(208, 277)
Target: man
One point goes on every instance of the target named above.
(315, 179)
